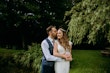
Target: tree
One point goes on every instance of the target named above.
(89, 22)
(15, 20)
(24, 19)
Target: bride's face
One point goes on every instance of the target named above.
(59, 34)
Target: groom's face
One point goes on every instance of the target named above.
(54, 32)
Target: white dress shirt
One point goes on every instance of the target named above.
(46, 52)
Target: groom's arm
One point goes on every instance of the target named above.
(46, 52)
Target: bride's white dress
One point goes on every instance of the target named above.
(62, 66)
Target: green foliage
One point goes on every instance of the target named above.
(24, 19)
(90, 22)
(30, 58)
(14, 11)
(7, 63)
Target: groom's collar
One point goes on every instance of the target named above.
(50, 39)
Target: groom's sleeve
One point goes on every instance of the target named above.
(46, 52)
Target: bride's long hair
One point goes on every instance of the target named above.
(65, 41)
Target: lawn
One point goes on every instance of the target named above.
(85, 61)
(89, 61)
(11, 51)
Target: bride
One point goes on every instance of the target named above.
(62, 48)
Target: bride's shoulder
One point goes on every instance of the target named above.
(56, 41)
(70, 43)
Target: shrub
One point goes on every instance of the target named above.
(31, 58)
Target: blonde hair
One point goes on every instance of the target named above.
(65, 41)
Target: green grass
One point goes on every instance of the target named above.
(85, 61)
(7, 63)
(3, 50)
(89, 61)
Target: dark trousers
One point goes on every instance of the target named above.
(47, 69)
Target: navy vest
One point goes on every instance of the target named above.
(45, 62)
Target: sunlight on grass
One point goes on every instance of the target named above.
(89, 61)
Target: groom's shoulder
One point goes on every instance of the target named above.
(44, 41)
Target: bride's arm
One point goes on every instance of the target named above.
(55, 51)
(70, 57)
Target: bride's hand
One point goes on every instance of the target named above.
(69, 59)
(65, 56)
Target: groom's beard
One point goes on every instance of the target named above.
(55, 38)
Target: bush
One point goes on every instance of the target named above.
(31, 58)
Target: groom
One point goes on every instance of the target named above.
(47, 49)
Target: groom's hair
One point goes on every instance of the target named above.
(49, 28)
